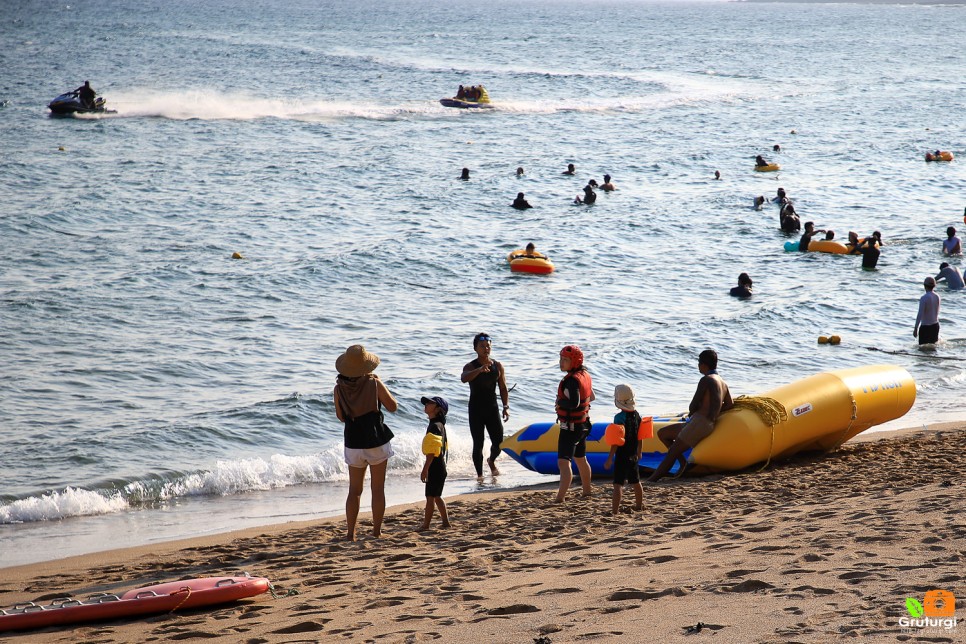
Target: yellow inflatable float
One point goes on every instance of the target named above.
(939, 155)
(817, 413)
(520, 262)
(832, 246)
(770, 167)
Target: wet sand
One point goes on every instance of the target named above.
(820, 548)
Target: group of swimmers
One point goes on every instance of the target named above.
(790, 222)
(590, 190)
(926, 328)
(589, 197)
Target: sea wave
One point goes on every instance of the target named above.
(228, 477)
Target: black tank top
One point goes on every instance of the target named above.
(483, 387)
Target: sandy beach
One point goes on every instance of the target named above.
(820, 548)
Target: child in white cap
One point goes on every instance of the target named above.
(626, 457)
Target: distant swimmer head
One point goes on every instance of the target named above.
(519, 172)
(520, 195)
(571, 357)
(829, 235)
(592, 183)
(481, 339)
(853, 237)
(950, 232)
(606, 178)
(466, 173)
(717, 174)
(929, 283)
(570, 169)
(781, 193)
(943, 265)
(777, 148)
(809, 225)
(744, 280)
(531, 247)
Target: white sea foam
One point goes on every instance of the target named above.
(212, 105)
(72, 502)
(227, 477)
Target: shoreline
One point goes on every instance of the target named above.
(102, 556)
(274, 528)
(825, 546)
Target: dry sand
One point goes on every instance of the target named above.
(822, 548)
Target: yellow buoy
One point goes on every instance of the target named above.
(237, 255)
(834, 339)
(62, 149)
(823, 339)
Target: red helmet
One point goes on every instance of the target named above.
(576, 356)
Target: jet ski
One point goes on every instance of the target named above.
(70, 103)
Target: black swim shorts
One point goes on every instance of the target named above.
(626, 471)
(435, 480)
(929, 333)
(572, 443)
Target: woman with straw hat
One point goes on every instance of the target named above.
(359, 396)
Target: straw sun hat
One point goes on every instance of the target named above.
(356, 361)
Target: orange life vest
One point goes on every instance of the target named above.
(581, 412)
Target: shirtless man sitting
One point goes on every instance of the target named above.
(710, 399)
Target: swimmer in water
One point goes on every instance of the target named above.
(520, 203)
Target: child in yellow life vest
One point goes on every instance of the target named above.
(435, 447)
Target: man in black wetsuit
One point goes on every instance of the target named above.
(86, 94)
(483, 376)
(869, 249)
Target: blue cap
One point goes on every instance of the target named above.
(440, 402)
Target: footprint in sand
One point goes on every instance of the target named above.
(554, 591)
(302, 627)
(513, 609)
(742, 573)
(749, 586)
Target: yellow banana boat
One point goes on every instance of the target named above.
(817, 413)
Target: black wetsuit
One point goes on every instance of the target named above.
(589, 195)
(437, 469)
(484, 413)
(741, 291)
(870, 255)
(625, 464)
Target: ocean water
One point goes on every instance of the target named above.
(153, 387)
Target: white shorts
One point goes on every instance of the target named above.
(371, 456)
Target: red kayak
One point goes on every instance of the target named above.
(149, 600)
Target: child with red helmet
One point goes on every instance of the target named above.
(574, 395)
